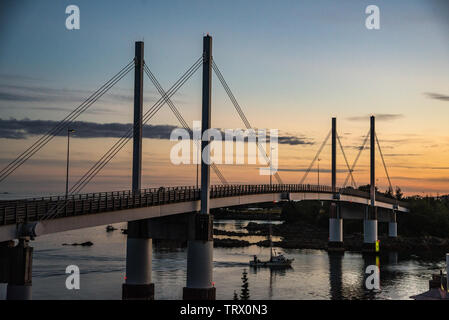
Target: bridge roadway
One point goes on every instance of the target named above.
(56, 214)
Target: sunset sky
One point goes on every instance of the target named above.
(292, 65)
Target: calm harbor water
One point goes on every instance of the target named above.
(314, 274)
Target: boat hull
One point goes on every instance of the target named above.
(271, 264)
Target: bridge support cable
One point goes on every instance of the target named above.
(356, 158)
(119, 144)
(383, 162)
(125, 138)
(242, 115)
(346, 161)
(44, 139)
(315, 158)
(179, 116)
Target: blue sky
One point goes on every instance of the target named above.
(291, 64)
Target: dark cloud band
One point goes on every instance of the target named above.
(23, 129)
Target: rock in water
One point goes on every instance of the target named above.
(84, 244)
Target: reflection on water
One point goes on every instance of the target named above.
(314, 274)
(250, 239)
(238, 225)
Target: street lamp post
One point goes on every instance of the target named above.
(271, 165)
(68, 157)
(319, 172)
(198, 159)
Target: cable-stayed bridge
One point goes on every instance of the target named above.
(177, 212)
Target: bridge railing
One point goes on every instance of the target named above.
(17, 211)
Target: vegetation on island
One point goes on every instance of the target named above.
(428, 216)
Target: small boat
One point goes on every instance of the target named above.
(277, 260)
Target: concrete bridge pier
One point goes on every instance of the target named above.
(139, 250)
(4, 267)
(199, 284)
(335, 228)
(16, 270)
(370, 229)
(393, 226)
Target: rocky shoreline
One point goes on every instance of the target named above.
(304, 236)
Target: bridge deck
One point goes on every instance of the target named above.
(19, 211)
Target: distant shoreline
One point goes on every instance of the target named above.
(306, 236)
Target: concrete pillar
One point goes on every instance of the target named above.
(5, 261)
(335, 228)
(20, 273)
(139, 245)
(3, 287)
(199, 284)
(392, 226)
(199, 264)
(370, 230)
(139, 248)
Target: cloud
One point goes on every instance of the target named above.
(421, 167)
(293, 140)
(30, 93)
(22, 129)
(17, 77)
(403, 154)
(436, 179)
(379, 117)
(437, 96)
(322, 170)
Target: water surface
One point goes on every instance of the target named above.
(314, 274)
